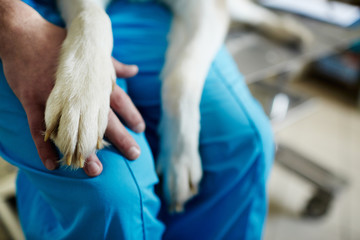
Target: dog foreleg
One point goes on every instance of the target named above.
(282, 29)
(78, 106)
(198, 30)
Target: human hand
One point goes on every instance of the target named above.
(30, 61)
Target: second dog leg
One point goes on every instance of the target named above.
(198, 31)
(282, 29)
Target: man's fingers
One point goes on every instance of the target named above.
(46, 150)
(121, 103)
(120, 137)
(93, 166)
(123, 70)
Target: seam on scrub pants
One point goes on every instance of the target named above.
(140, 196)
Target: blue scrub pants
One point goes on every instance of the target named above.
(236, 146)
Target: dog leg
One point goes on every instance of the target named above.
(283, 29)
(78, 106)
(198, 30)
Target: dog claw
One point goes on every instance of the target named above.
(81, 161)
(47, 136)
(194, 189)
(51, 129)
(99, 144)
(176, 208)
(68, 159)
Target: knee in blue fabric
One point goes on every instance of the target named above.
(115, 205)
(232, 117)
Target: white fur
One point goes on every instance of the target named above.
(77, 109)
(79, 104)
(198, 30)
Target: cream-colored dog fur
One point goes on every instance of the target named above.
(77, 109)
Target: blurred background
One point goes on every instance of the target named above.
(312, 96)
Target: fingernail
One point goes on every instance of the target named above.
(134, 68)
(50, 165)
(139, 128)
(93, 168)
(133, 153)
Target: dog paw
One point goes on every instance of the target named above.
(295, 33)
(290, 32)
(178, 164)
(77, 109)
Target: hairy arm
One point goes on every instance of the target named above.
(13, 16)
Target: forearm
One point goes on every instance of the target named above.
(6, 14)
(14, 17)
(6, 7)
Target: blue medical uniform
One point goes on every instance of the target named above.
(236, 146)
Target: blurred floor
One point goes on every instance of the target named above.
(4, 235)
(330, 136)
(7, 178)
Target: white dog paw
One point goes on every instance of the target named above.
(178, 164)
(181, 176)
(291, 32)
(77, 109)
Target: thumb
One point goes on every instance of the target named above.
(46, 150)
